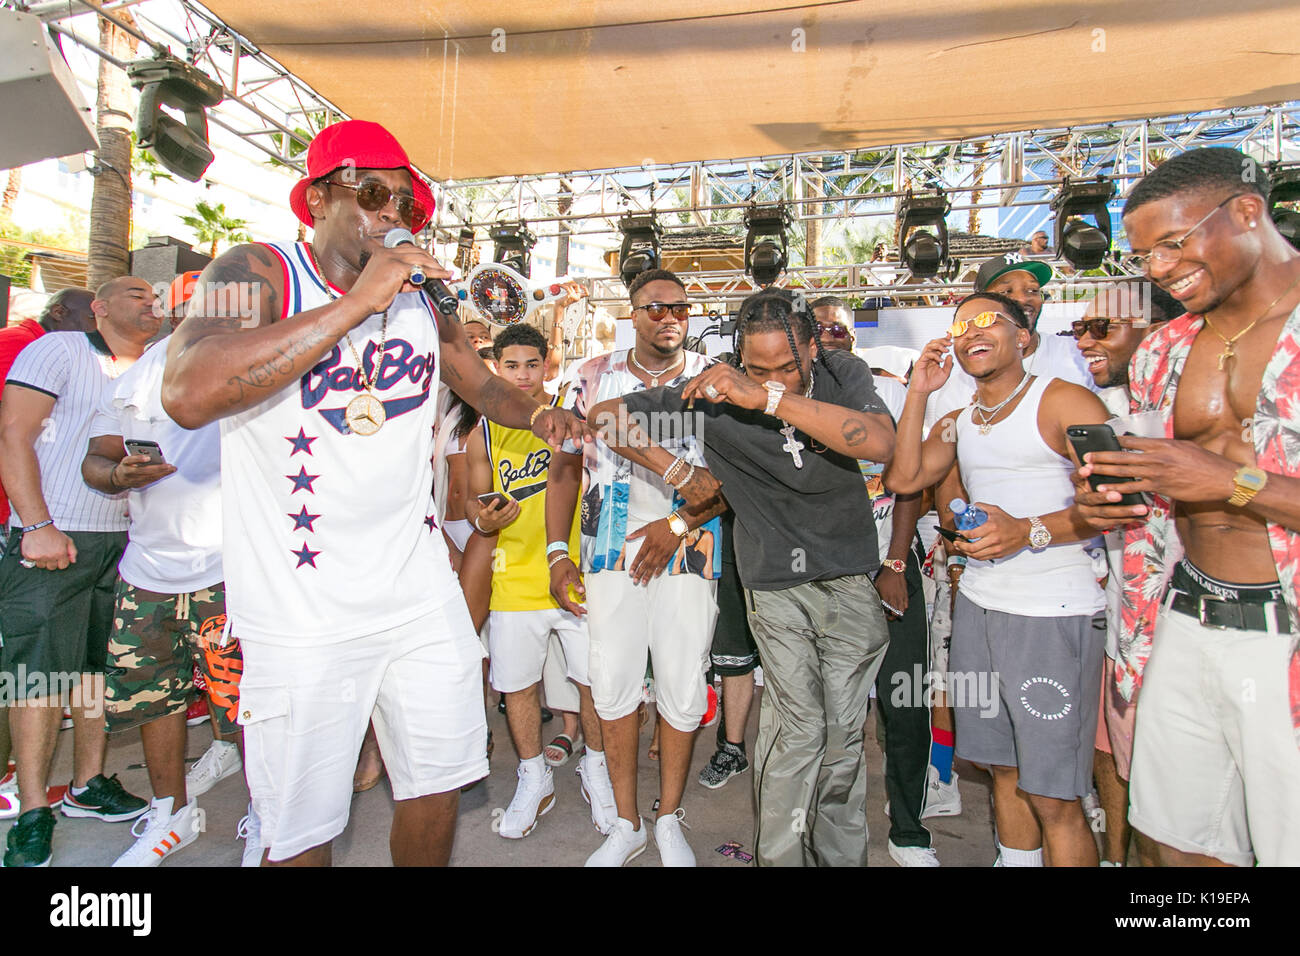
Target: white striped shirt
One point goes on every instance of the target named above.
(73, 368)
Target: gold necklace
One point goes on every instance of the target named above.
(654, 376)
(365, 414)
(1228, 350)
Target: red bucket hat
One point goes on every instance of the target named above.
(361, 145)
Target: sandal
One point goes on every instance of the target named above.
(560, 749)
(361, 781)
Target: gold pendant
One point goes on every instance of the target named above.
(365, 414)
(985, 428)
(1225, 355)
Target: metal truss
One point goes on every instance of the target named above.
(265, 104)
(1027, 169)
(720, 290)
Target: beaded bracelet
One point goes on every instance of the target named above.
(536, 411)
(672, 469)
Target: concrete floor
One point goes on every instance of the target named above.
(564, 837)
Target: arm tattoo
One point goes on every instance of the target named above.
(495, 400)
(272, 372)
(232, 284)
(854, 433)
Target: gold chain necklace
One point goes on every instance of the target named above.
(1228, 350)
(365, 414)
(655, 376)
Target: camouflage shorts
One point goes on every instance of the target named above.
(157, 641)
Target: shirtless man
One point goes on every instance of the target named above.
(1211, 639)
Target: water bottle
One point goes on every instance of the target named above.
(967, 517)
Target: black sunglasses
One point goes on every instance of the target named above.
(373, 196)
(658, 311)
(1097, 328)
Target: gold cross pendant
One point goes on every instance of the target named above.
(1226, 354)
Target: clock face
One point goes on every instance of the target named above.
(498, 295)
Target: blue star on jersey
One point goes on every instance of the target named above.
(303, 520)
(305, 556)
(302, 480)
(301, 442)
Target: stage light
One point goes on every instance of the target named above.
(1285, 188)
(922, 251)
(512, 245)
(766, 250)
(1083, 244)
(182, 148)
(640, 250)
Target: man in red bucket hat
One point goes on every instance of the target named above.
(322, 361)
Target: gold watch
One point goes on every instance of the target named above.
(1246, 484)
(677, 525)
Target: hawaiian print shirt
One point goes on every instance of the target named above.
(608, 477)
(1152, 549)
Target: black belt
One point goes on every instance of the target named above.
(1214, 611)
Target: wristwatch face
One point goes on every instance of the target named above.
(1039, 536)
(774, 386)
(1251, 479)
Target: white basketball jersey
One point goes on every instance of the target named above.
(330, 534)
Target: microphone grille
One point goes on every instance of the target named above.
(395, 237)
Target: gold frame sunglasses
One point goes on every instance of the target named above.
(982, 321)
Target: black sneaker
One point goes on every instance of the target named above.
(728, 761)
(104, 799)
(29, 839)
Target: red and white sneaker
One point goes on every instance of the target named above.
(197, 712)
(711, 712)
(9, 807)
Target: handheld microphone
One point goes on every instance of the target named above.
(443, 300)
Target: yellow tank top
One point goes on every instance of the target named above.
(521, 581)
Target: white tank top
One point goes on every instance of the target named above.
(1013, 468)
(331, 535)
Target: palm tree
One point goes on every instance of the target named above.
(110, 205)
(212, 225)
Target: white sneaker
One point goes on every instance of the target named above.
(913, 855)
(673, 848)
(598, 791)
(250, 831)
(217, 763)
(621, 846)
(161, 833)
(941, 799)
(534, 797)
(1093, 811)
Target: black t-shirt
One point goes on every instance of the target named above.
(793, 525)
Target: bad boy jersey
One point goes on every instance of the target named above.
(521, 580)
(330, 534)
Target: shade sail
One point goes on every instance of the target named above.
(485, 89)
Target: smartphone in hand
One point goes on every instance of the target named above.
(1088, 438)
(149, 448)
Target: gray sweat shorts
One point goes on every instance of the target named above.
(1026, 693)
